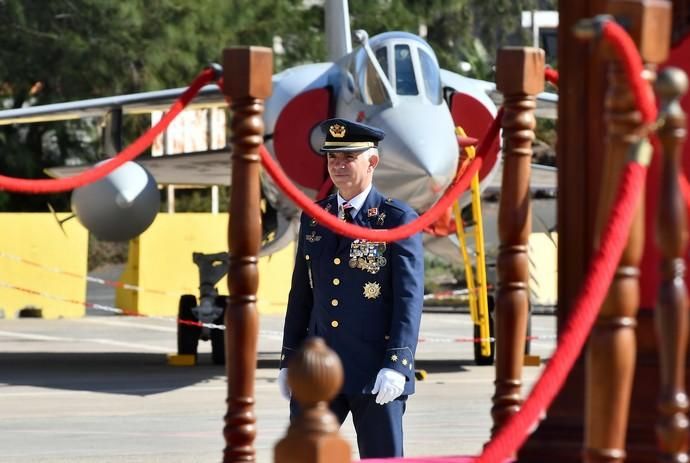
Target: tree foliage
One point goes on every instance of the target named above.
(63, 50)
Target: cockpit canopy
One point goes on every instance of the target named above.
(405, 61)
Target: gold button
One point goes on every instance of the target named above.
(334, 323)
(336, 261)
(386, 337)
(282, 357)
(334, 302)
(336, 281)
(306, 257)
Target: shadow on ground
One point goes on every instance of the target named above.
(444, 365)
(139, 374)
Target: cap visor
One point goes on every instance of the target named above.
(344, 149)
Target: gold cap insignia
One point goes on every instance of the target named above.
(337, 130)
(372, 290)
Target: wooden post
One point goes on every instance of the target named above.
(247, 73)
(612, 346)
(671, 314)
(315, 375)
(520, 76)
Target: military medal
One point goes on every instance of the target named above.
(367, 255)
(372, 290)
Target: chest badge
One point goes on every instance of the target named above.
(312, 237)
(372, 290)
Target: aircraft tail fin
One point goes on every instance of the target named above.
(338, 40)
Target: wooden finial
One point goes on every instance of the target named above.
(671, 84)
(315, 376)
(520, 70)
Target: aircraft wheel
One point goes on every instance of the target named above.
(479, 358)
(218, 336)
(187, 335)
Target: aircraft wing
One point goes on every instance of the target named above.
(543, 181)
(135, 103)
(189, 169)
(547, 103)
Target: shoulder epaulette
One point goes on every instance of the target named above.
(395, 204)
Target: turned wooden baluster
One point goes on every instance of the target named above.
(520, 76)
(315, 376)
(671, 314)
(247, 82)
(610, 357)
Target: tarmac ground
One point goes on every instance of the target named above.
(99, 389)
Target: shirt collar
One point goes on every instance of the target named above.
(357, 202)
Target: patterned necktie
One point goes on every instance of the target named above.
(347, 212)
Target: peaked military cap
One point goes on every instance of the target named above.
(344, 135)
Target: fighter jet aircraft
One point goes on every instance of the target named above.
(392, 81)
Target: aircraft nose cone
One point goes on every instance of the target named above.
(419, 155)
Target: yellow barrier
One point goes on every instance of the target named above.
(38, 238)
(543, 269)
(161, 259)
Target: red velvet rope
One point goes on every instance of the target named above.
(632, 63)
(55, 185)
(394, 234)
(551, 75)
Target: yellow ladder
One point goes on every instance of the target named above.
(477, 288)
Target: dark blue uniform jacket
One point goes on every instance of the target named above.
(364, 298)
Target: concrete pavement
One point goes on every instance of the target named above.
(99, 389)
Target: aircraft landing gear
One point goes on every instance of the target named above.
(210, 310)
(479, 358)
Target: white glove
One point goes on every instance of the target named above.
(389, 385)
(283, 384)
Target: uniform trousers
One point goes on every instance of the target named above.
(378, 427)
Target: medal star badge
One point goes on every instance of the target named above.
(337, 131)
(372, 290)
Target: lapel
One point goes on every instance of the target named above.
(332, 208)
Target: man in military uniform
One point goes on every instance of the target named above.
(363, 298)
